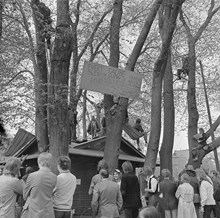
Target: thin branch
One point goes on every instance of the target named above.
(23, 71)
(90, 39)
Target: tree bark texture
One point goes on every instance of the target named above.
(114, 124)
(1, 19)
(84, 116)
(59, 76)
(171, 11)
(193, 115)
(41, 79)
(169, 119)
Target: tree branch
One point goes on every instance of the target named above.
(211, 13)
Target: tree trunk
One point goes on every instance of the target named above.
(1, 20)
(84, 116)
(169, 119)
(171, 13)
(193, 115)
(41, 74)
(58, 108)
(114, 124)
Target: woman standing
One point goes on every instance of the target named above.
(167, 199)
(206, 194)
(117, 177)
(185, 195)
(130, 191)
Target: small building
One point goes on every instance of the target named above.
(84, 157)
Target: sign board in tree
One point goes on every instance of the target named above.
(110, 80)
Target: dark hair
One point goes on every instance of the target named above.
(29, 170)
(165, 173)
(102, 164)
(138, 120)
(64, 162)
(104, 173)
(149, 212)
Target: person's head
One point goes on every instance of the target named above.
(147, 171)
(185, 178)
(64, 163)
(102, 164)
(44, 160)
(29, 170)
(190, 167)
(93, 117)
(165, 173)
(201, 131)
(117, 174)
(127, 167)
(104, 173)
(201, 175)
(138, 120)
(12, 167)
(149, 212)
(213, 173)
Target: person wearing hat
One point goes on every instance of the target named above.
(106, 200)
(117, 176)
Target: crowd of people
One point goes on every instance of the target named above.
(45, 195)
(192, 196)
(122, 194)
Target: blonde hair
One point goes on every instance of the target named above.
(185, 177)
(127, 167)
(45, 159)
(12, 166)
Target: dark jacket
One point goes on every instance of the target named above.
(168, 189)
(193, 181)
(130, 190)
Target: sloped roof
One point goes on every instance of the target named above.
(22, 139)
(25, 143)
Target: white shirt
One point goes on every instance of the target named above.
(64, 191)
(206, 193)
(154, 183)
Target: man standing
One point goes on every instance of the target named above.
(107, 199)
(64, 190)
(38, 190)
(152, 189)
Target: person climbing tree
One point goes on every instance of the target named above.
(93, 127)
(139, 128)
(201, 139)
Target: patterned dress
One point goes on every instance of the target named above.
(186, 207)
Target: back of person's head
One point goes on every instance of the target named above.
(165, 173)
(200, 173)
(102, 164)
(64, 162)
(29, 170)
(127, 167)
(149, 212)
(12, 166)
(147, 171)
(185, 178)
(44, 159)
(201, 130)
(104, 173)
(138, 120)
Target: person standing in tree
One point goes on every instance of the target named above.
(139, 128)
(93, 127)
(201, 138)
